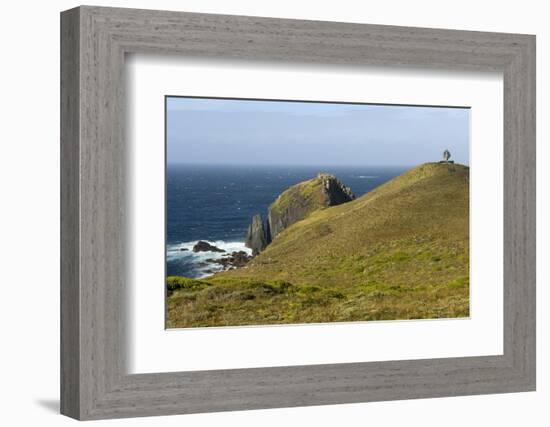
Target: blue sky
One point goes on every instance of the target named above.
(215, 131)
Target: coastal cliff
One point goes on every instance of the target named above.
(293, 205)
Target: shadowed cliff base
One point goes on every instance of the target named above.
(399, 252)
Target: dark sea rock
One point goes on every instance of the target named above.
(183, 249)
(239, 259)
(202, 246)
(235, 260)
(257, 237)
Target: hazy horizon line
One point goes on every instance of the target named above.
(302, 165)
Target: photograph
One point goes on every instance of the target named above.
(262, 215)
(301, 211)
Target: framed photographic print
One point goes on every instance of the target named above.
(262, 213)
(357, 224)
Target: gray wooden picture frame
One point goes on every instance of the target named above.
(94, 381)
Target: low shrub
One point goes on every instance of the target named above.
(174, 283)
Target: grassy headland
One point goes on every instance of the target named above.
(399, 252)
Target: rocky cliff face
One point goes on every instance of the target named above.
(293, 205)
(335, 192)
(257, 237)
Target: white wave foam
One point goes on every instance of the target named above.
(186, 248)
(201, 267)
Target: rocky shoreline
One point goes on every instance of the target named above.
(228, 261)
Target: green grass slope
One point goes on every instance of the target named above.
(399, 252)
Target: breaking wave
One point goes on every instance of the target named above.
(180, 257)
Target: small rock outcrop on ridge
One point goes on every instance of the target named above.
(293, 205)
(335, 192)
(257, 237)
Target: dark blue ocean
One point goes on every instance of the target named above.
(216, 203)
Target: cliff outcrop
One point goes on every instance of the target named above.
(293, 205)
